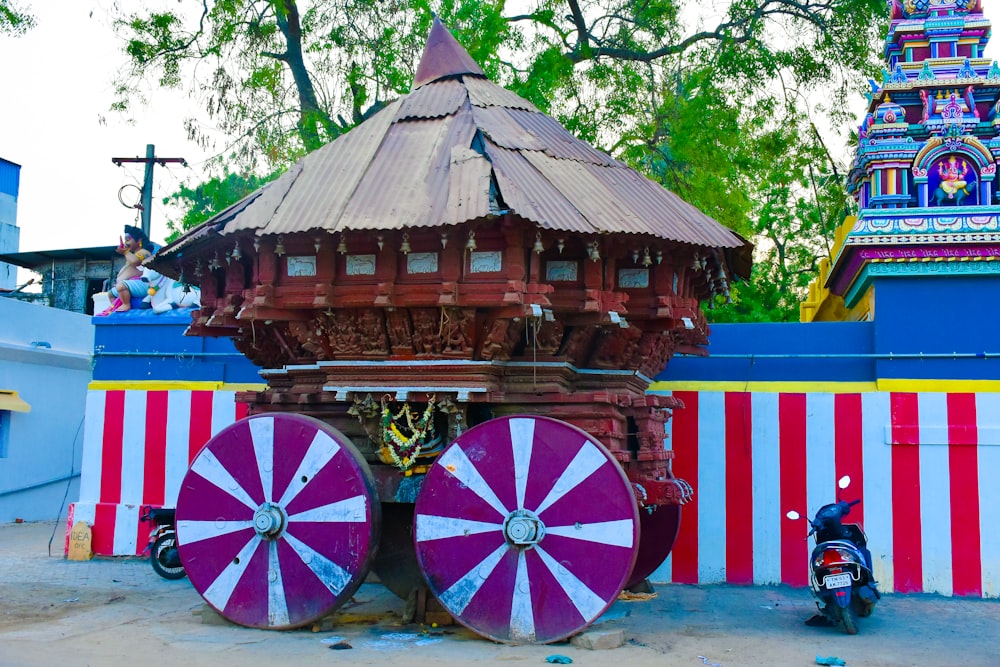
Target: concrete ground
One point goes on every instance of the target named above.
(118, 612)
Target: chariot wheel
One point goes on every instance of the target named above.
(658, 532)
(277, 521)
(526, 529)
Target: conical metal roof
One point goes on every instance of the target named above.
(459, 148)
(443, 56)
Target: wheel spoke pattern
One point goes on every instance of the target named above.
(277, 521)
(526, 529)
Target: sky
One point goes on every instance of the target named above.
(55, 86)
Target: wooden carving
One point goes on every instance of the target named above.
(456, 331)
(426, 327)
(654, 351)
(268, 346)
(344, 337)
(548, 337)
(615, 347)
(500, 339)
(312, 336)
(373, 338)
(577, 344)
(400, 331)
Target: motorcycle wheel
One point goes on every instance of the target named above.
(849, 618)
(158, 557)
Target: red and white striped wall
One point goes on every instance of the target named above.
(925, 465)
(137, 446)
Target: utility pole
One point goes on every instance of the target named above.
(146, 203)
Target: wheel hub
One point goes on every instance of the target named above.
(523, 529)
(269, 521)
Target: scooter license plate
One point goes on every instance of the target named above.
(837, 580)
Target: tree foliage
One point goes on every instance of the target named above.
(201, 202)
(14, 21)
(709, 99)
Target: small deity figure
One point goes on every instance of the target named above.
(953, 177)
(129, 282)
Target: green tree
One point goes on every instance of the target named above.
(286, 76)
(798, 199)
(201, 202)
(14, 21)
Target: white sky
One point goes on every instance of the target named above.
(55, 84)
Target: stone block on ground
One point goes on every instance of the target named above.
(211, 617)
(599, 639)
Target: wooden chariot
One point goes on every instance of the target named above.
(458, 309)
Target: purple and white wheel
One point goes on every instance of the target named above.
(526, 529)
(277, 521)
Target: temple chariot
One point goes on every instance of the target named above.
(458, 308)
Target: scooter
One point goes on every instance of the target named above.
(841, 565)
(162, 545)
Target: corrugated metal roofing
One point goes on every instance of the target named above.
(328, 179)
(532, 197)
(469, 178)
(441, 99)
(40, 259)
(407, 184)
(504, 131)
(558, 141)
(419, 163)
(485, 93)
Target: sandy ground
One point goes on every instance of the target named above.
(118, 612)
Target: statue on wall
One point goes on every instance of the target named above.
(952, 181)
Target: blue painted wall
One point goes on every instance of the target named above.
(938, 315)
(926, 327)
(143, 345)
(781, 352)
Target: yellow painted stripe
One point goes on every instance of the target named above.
(787, 387)
(894, 384)
(165, 385)
(959, 386)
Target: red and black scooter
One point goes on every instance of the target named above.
(841, 565)
(162, 545)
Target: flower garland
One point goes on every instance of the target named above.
(404, 450)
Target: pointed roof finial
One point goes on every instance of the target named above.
(443, 56)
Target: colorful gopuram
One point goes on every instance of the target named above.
(925, 166)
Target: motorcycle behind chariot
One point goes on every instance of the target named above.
(840, 565)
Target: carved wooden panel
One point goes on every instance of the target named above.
(426, 327)
(548, 337)
(400, 331)
(615, 347)
(312, 336)
(577, 344)
(501, 336)
(457, 333)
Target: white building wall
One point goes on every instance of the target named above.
(45, 356)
